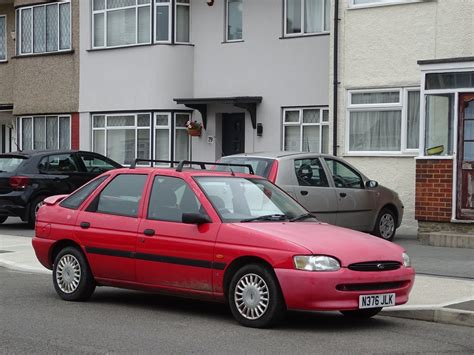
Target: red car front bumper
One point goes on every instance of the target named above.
(340, 290)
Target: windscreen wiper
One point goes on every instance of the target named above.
(267, 217)
(301, 217)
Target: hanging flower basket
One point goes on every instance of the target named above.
(194, 128)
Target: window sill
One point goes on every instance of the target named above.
(381, 155)
(435, 157)
(139, 45)
(400, 2)
(230, 42)
(3, 62)
(43, 54)
(305, 35)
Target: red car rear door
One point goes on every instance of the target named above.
(108, 227)
(172, 254)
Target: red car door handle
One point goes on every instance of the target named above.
(149, 232)
(85, 225)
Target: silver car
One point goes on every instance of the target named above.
(329, 188)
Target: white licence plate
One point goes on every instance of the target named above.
(374, 301)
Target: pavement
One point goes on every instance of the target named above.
(435, 297)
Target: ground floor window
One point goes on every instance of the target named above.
(384, 120)
(306, 129)
(125, 137)
(45, 132)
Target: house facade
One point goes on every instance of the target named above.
(253, 73)
(39, 75)
(404, 97)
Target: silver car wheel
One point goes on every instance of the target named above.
(251, 296)
(68, 273)
(387, 226)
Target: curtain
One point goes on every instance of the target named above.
(293, 16)
(26, 27)
(52, 28)
(144, 24)
(143, 143)
(99, 141)
(3, 39)
(39, 124)
(413, 120)
(181, 145)
(162, 22)
(292, 138)
(375, 131)
(39, 29)
(65, 25)
(121, 27)
(121, 145)
(313, 13)
(64, 133)
(52, 133)
(162, 144)
(26, 134)
(182, 23)
(311, 139)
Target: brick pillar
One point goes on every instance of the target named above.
(75, 131)
(434, 189)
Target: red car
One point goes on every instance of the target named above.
(217, 235)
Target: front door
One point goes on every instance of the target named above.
(233, 133)
(465, 178)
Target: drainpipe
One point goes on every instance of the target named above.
(335, 75)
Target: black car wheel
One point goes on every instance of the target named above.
(254, 297)
(33, 209)
(362, 313)
(385, 227)
(72, 278)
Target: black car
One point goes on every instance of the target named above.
(27, 178)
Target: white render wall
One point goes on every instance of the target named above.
(285, 72)
(379, 48)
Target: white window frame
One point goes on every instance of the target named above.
(176, 4)
(170, 12)
(106, 128)
(105, 11)
(19, 28)
(353, 5)
(6, 39)
(300, 123)
(227, 24)
(302, 33)
(401, 105)
(20, 129)
(176, 128)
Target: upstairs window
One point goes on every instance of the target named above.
(3, 38)
(303, 17)
(121, 22)
(164, 32)
(44, 28)
(234, 20)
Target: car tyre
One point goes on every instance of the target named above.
(362, 313)
(72, 278)
(3, 219)
(33, 210)
(255, 298)
(386, 224)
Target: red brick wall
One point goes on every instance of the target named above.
(434, 188)
(75, 131)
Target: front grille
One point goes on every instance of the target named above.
(372, 286)
(375, 266)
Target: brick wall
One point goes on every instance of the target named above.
(434, 188)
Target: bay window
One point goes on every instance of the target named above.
(45, 132)
(121, 22)
(3, 38)
(44, 28)
(125, 137)
(306, 129)
(384, 121)
(306, 17)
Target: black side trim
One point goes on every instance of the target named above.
(157, 258)
(110, 252)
